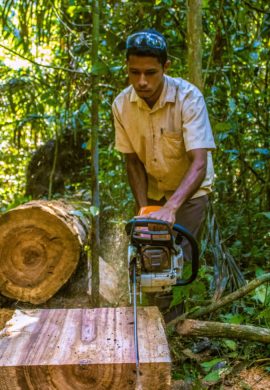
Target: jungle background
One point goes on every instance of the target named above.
(50, 80)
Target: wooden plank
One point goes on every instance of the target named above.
(69, 349)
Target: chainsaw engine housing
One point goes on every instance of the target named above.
(159, 260)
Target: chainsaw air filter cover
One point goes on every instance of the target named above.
(155, 259)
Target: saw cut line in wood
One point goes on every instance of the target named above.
(56, 349)
(40, 246)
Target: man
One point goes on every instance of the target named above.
(163, 129)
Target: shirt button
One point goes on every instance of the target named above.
(155, 159)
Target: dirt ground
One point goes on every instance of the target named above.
(248, 379)
(253, 378)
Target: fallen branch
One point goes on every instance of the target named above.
(241, 292)
(218, 329)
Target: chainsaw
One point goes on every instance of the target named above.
(156, 259)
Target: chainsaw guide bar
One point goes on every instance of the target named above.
(156, 261)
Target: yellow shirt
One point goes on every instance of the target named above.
(161, 136)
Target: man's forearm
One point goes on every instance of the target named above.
(137, 179)
(189, 185)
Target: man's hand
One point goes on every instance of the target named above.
(164, 214)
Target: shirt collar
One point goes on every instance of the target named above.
(168, 94)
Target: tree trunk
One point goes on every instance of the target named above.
(95, 230)
(40, 246)
(61, 349)
(194, 37)
(218, 329)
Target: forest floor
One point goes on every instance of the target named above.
(247, 379)
(215, 368)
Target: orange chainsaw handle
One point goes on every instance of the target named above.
(148, 209)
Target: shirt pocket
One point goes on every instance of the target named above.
(172, 145)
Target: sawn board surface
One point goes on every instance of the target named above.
(68, 349)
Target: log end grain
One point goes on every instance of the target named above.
(40, 245)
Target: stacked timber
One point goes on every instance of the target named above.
(40, 246)
(68, 349)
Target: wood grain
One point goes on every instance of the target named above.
(40, 246)
(69, 349)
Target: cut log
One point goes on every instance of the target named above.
(218, 329)
(83, 349)
(40, 246)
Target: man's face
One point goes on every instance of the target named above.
(146, 76)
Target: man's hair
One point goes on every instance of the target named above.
(147, 51)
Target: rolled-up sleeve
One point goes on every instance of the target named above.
(122, 142)
(196, 126)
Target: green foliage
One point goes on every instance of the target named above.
(192, 292)
(46, 79)
(237, 93)
(46, 87)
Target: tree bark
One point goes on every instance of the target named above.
(62, 349)
(194, 38)
(40, 247)
(218, 329)
(95, 230)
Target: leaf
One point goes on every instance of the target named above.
(99, 69)
(261, 294)
(115, 68)
(94, 211)
(223, 136)
(239, 48)
(259, 272)
(265, 214)
(212, 376)
(205, 3)
(232, 345)
(211, 363)
(263, 151)
(254, 56)
(232, 105)
(233, 318)
(84, 108)
(222, 126)
(233, 151)
(256, 44)
(265, 314)
(258, 164)
(198, 288)
(77, 213)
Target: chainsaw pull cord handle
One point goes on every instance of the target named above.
(182, 231)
